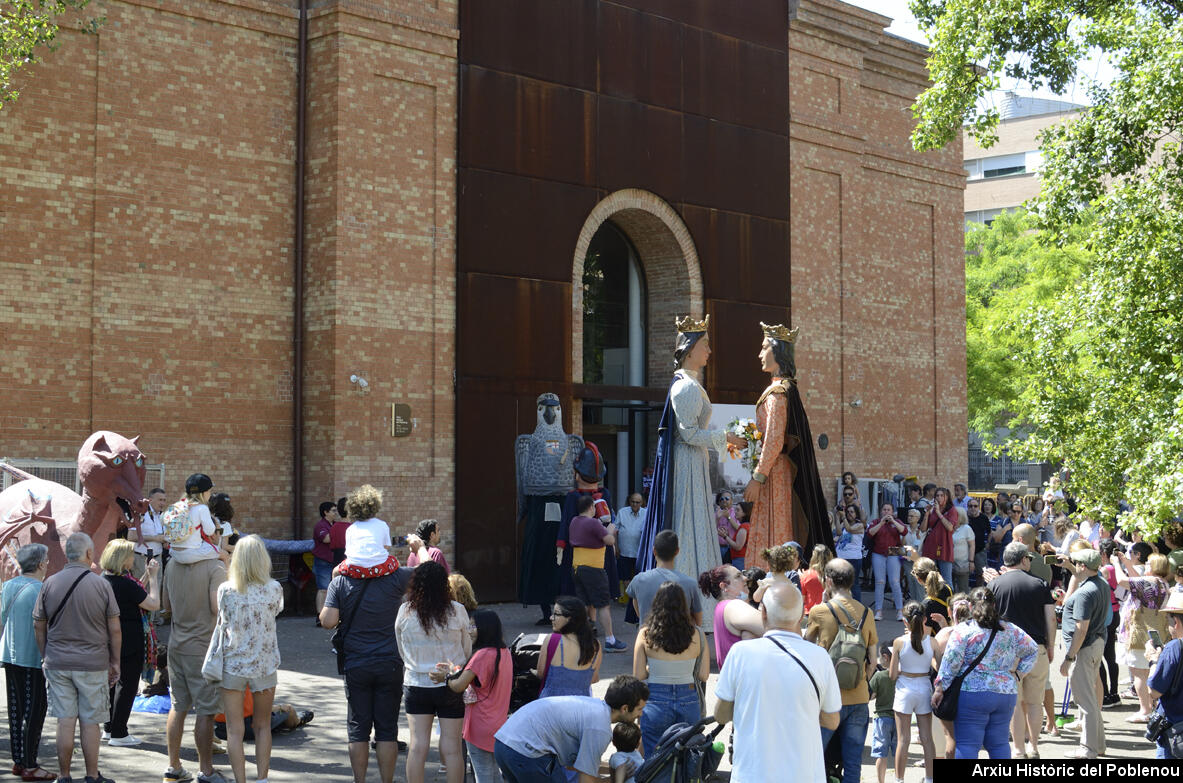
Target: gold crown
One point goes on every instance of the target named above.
(689, 325)
(780, 332)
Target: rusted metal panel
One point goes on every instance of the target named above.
(500, 231)
(743, 258)
(765, 22)
(640, 56)
(640, 146)
(488, 538)
(552, 40)
(524, 126)
(735, 342)
(513, 327)
(735, 168)
(735, 81)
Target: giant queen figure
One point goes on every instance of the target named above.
(785, 488)
(680, 498)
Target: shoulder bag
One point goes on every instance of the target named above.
(338, 639)
(700, 686)
(215, 655)
(947, 709)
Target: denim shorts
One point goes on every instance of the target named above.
(667, 705)
(323, 570)
(883, 738)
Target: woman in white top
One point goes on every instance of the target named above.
(432, 634)
(248, 603)
(963, 552)
(850, 545)
(911, 663)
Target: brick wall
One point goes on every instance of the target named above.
(146, 204)
(146, 209)
(878, 272)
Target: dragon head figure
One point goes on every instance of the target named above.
(111, 468)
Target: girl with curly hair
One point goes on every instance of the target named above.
(367, 541)
(571, 656)
(670, 655)
(432, 634)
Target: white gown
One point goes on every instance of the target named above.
(691, 503)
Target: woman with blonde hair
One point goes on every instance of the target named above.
(1140, 617)
(959, 612)
(936, 592)
(813, 579)
(248, 603)
(463, 594)
(138, 637)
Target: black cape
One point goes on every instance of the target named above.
(808, 499)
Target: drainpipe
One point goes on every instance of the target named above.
(298, 281)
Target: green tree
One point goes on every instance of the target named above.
(1011, 270)
(1112, 184)
(27, 27)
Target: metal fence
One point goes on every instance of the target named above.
(65, 472)
(986, 471)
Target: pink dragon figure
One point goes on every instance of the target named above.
(33, 510)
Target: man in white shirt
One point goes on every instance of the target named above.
(780, 691)
(630, 522)
(151, 540)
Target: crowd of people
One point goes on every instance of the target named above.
(804, 676)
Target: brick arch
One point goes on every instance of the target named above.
(667, 255)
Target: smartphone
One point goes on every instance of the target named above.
(1154, 637)
(400, 541)
(1051, 559)
(895, 550)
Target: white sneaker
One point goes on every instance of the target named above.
(124, 742)
(105, 737)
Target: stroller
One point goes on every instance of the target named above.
(684, 754)
(524, 652)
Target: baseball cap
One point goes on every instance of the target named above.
(1089, 558)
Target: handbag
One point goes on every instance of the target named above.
(947, 709)
(700, 686)
(215, 655)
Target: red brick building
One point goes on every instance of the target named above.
(472, 169)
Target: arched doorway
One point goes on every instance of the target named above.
(635, 269)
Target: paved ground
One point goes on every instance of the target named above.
(317, 752)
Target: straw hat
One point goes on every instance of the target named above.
(1174, 603)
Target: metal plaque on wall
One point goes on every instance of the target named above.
(400, 420)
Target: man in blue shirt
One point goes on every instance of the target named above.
(549, 735)
(1167, 671)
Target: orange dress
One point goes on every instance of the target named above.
(772, 513)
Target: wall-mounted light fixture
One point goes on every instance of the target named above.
(360, 381)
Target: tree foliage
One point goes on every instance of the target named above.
(1011, 270)
(1112, 187)
(27, 27)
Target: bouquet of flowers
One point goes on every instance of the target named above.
(750, 454)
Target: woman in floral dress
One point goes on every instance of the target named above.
(248, 603)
